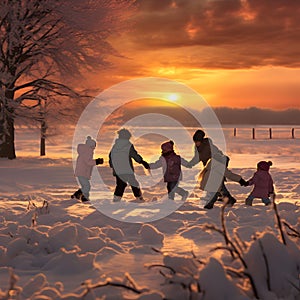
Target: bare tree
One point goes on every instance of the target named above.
(44, 46)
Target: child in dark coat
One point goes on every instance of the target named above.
(171, 165)
(120, 160)
(263, 184)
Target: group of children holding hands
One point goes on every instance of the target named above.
(212, 177)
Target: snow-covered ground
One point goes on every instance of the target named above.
(54, 247)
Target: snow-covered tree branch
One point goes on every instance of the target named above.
(44, 46)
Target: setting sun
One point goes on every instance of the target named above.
(173, 97)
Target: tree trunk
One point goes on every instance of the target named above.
(7, 137)
(43, 139)
(7, 126)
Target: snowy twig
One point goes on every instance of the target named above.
(196, 259)
(240, 241)
(89, 288)
(238, 244)
(212, 227)
(44, 209)
(156, 250)
(161, 266)
(255, 292)
(45, 206)
(295, 232)
(232, 248)
(224, 229)
(278, 219)
(130, 280)
(193, 254)
(33, 220)
(234, 272)
(30, 202)
(163, 274)
(267, 265)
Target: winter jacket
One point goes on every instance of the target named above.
(85, 161)
(263, 184)
(205, 151)
(121, 155)
(171, 165)
(212, 175)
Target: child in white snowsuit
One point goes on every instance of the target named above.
(171, 165)
(215, 164)
(211, 179)
(84, 166)
(263, 184)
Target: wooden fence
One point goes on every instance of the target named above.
(271, 131)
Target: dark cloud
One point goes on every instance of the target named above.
(153, 6)
(221, 33)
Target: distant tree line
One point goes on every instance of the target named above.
(226, 115)
(257, 116)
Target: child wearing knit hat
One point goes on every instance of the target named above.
(171, 165)
(121, 158)
(84, 166)
(263, 184)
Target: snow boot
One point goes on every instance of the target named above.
(84, 199)
(248, 202)
(231, 201)
(209, 205)
(184, 195)
(117, 198)
(220, 197)
(139, 199)
(77, 195)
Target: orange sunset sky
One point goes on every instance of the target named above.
(236, 53)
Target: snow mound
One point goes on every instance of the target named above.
(274, 266)
(150, 235)
(216, 285)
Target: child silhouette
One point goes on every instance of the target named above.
(171, 164)
(84, 166)
(263, 184)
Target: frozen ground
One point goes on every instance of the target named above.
(50, 245)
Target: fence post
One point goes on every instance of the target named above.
(253, 133)
(270, 133)
(293, 133)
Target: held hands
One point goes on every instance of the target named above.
(145, 164)
(242, 182)
(99, 161)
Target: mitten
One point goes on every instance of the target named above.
(99, 161)
(242, 182)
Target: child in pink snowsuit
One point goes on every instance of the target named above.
(84, 166)
(171, 165)
(263, 184)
